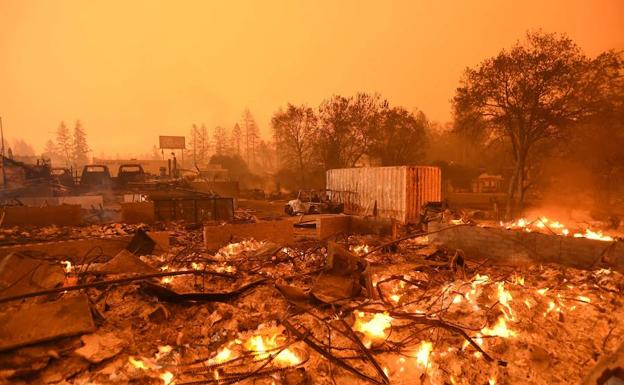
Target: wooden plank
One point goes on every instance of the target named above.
(36, 323)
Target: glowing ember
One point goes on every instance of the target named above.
(424, 350)
(499, 329)
(167, 378)
(360, 249)
(67, 266)
(138, 363)
(224, 355)
(263, 345)
(517, 280)
(542, 223)
(589, 234)
(582, 298)
(235, 249)
(375, 328)
(166, 280)
(504, 297)
(542, 291)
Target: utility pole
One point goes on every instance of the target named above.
(2, 150)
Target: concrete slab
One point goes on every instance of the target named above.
(520, 247)
(35, 323)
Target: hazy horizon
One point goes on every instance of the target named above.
(133, 71)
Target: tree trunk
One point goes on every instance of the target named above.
(511, 190)
(520, 183)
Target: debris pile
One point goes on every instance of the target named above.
(362, 309)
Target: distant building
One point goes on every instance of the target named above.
(488, 183)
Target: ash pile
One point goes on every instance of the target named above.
(166, 307)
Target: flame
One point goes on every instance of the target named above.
(138, 363)
(552, 306)
(225, 269)
(67, 266)
(223, 355)
(597, 235)
(375, 328)
(422, 356)
(557, 227)
(542, 291)
(499, 329)
(517, 280)
(166, 280)
(360, 249)
(582, 298)
(235, 249)
(262, 345)
(492, 381)
(167, 378)
(504, 297)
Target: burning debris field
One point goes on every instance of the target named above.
(358, 309)
(190, 197)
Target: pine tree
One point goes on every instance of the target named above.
(203, 144)
(236, 140)
(49, 151)
(80, 148)
(220, 140)
(251, 136)
(156, 154)
(64, 143)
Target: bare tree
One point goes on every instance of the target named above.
(21, 147)
(219, 139)
(295, 131)
(250, 136)
(64, 143)
(528, 95)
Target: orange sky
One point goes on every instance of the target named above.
(132, 70)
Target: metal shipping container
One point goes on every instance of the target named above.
(398, 192)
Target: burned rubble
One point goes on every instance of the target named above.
(456, 218)
(350, 310)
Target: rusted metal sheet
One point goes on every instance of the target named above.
(393, 192)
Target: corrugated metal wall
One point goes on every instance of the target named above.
(399, 192)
